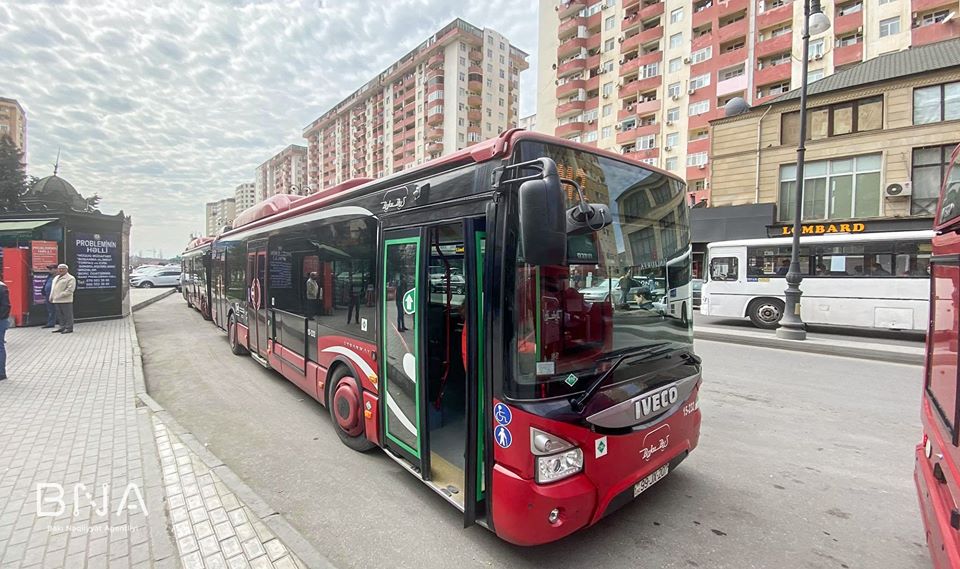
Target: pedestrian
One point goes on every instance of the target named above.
(313, 295)
(353, 308)
(61, 295)
(401, 289)
(4, 324)
(784, 267)
(47, 287)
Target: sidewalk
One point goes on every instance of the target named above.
(91, 475)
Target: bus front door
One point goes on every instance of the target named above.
(256, 297)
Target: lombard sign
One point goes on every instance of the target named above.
(818, 229)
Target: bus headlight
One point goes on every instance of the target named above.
(556, 458)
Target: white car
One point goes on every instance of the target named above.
(164, 276)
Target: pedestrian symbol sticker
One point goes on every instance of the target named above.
(503, 437)
(570, 380)
(601, 447)
(410, 301)
(502, 414)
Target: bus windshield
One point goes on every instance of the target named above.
(624, 287)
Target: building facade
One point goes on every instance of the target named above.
(879, 138)
(13, 122)
(458, 87)
(284, 173)
(645, 77)
(219, 214)
(245, 196)
(528, 122)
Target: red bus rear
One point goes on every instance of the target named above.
(937, 472)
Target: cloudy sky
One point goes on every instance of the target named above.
(161, 106)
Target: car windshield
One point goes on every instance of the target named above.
(624, 287)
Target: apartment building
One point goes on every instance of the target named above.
(219, 214)
(245, 195)
(645, 77)
(528, 122)
(284, 173)
(458, 87)
(13, 122)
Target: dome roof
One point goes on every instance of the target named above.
(54, 190)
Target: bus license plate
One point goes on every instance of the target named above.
(650, 480)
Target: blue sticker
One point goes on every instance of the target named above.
(502, 414)
(503, 436)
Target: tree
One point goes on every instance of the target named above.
(13, 173)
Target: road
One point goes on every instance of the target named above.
(805, 461)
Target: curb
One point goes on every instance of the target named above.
(150, 301)
(269, 516)
(859, 352)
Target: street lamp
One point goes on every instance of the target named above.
(791, 325)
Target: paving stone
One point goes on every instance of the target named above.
(203, 529)
(231, 547)
(253, 548)
(209, 545)
(238, 562)
(216, 561)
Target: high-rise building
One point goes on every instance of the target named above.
(13, 122)
(528, 122)
(284, 173)
(458, 87)
(645, 77)
(245, 196)
(220, 214)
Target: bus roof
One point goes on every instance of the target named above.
(920, 235)
(499, 147)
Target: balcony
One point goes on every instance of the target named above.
(570, 88)
(706, 15)
(474, 115)
(646, 107)
(699, 145)
(925, 5)
(571, 67)
(847, 23)
(569, 108)
(624, 114)
(570, 27)
(435, 119)
(697, 172)
(594, 21)
(474, 101)
(593, 83)
(703, 119)
(733, 31)
(569, 129)
(732, 7)
(638, 155)
(721, 61)
(651, 11)
(772, 17)
(435, 133)
(567, 9)
(435, 147)
(627, 136)
(434, 87)
(639, 85)
(642, 38)
(636, 63)
(475, 86)
(771, 46)
(647, 130)
(935, 32)
(475, 55)
(593, 42)
(732, 85)
(847, 54)
(701, 42)
(436, 60)
(570, 47)
(774, 74)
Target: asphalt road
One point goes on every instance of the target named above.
(805, 461)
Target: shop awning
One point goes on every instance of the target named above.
(22, 225)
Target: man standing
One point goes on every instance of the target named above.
(61, 295)
(4, 324)
(313, 295)
(47, 288)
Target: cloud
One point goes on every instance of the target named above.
(164, 106)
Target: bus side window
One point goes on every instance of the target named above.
(723, 269)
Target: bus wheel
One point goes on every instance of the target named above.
(766, 312)
(345, 403)
(235, 346)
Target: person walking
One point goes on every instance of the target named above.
(4, 324)
(313, 295)
(61, 295)
(47, 287)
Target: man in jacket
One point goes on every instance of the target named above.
(313, 296)
(61, 295)
(47, 287)
(4, 324)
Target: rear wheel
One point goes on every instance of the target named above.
(146, 284)
(765, 312)
(345, 403)
(235, 346)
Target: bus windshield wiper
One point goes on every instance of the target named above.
(580, 402)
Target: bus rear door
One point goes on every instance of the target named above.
(256, 297)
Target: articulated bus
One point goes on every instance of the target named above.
(871, 280)
(195, 275)
(444, 325)
(937, 471)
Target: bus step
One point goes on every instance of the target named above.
(260, 360)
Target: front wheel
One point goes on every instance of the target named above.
(345, 403)
(766, 312)
(235, 346)
(146, 284)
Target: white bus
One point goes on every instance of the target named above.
(878, 280)
(676, 300)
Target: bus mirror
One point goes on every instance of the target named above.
(543, 223)
(587, 218)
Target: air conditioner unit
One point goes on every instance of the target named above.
(898, 189)
(818, 57)
(701, 166)
(606, 95)
(675, 97)
(691, 91)
(686, 60)
(666, 148)
(669, 123)
(630, 107)
(620, 39)
(759, 65)
(616, 126)
(554, 65)
(622, 61)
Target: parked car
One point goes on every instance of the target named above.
(602, 291)
(165, 276)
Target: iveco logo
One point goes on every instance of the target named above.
(658, 401)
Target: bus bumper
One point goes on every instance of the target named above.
(935, 509)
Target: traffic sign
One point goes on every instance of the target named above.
(502, 414)
(410, 301)
(503, 437)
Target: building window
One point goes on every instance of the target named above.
(673, 139)
(607, 89)
(882, 2)
(833, 189)
(834, 120)
(651, 70)
(647, 142)
(850, 9)
(676, 40)
(673, 115)
(590, 136)
(929, 167)
(852, 39)
(814, 75)
(609, 45)
(931, 18)
(607, 132)
(697, 159)
(699, 107)
(676, 16)
(674, 65)
(463, 61)
(936, 103)
(607, 110)
(609, 23)
(889, 26)
(701, 55)
(731, 72)
(700, 81)
(815, 48)
(671, 163)
(673, 90)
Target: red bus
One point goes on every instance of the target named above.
(937, 472)
(438, 314)
(195, 275)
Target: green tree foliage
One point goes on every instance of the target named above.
(13, 173)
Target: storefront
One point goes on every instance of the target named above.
(711, 224)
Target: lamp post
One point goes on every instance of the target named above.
(791, 325)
